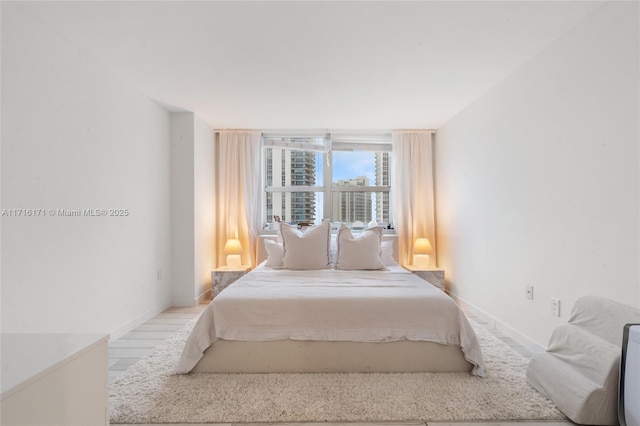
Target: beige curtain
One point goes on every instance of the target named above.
(238, 193)
(412, 168)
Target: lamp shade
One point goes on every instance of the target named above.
(233, 246)
(422, 246)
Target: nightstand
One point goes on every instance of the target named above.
(223, 276)
(433, 275)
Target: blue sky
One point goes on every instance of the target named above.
(348, 165)
(351, 164)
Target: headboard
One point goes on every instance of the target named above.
(262, 252)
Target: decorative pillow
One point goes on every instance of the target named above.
(360, 252)
(275, 253)
(386, 248)
(333, 249)
(306, 250)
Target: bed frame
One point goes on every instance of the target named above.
(300, 356)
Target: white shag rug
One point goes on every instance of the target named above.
(148, 392)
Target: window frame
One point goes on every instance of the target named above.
(369, 142)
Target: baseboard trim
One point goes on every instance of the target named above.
(525, 341)
(204, 297)
(188, 303)
(130, 325)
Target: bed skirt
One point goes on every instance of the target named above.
(300, 356)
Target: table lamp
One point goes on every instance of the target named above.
(233, 250)
(421, 251)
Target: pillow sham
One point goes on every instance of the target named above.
(386, 253)
(308, 249)
(360, 252)
(275, 253)
(333, 249)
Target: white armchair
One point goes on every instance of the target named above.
(579, 371)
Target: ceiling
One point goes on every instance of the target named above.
(313, 65)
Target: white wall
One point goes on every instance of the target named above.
(204, 189)
(192, 205)
(182, 209)
(537, 181)
(1, 179)
(77, 136)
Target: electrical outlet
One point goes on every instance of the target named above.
(555, 307)
(529, 290)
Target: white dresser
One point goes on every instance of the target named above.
(54, 379)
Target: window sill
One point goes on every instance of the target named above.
(333, 232)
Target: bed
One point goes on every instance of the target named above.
(276, 320)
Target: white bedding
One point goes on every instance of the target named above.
(333, 305)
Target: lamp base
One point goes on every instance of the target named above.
(234, 261)
(421, 260)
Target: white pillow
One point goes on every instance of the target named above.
(386, 248)
(333, 249)
(275, 253)
(361, 252)
(306, 250)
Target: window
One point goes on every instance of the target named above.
(342, 178)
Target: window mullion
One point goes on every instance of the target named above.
(380, 188)
(366, 147)
(327, 195)
(293, 188)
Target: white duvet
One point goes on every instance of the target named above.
(357, 306)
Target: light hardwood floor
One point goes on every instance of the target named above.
(138, 343)
(539, 423)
